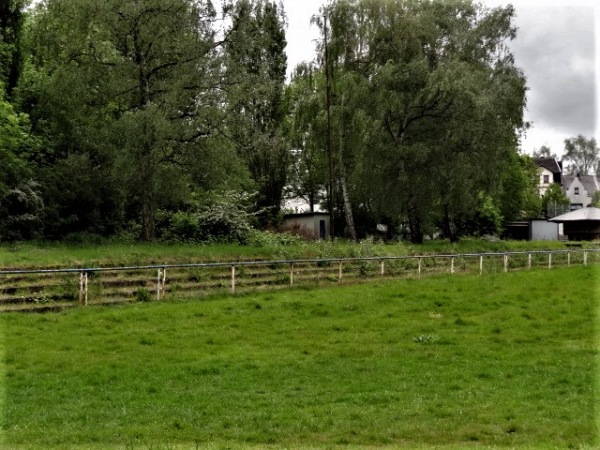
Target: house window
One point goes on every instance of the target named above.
(576, 191)
(546, 179)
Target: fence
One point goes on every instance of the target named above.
(58, 288)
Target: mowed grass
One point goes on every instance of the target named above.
(500, 361)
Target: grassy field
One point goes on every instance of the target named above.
(63, 255)
(502, 361)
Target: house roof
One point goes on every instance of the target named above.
(548, 163)
(583, 214)
(590, 183)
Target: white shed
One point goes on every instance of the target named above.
(311, 225)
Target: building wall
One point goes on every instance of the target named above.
(542, 230)
(577, 194)
(583, 230)
(546, 179)
(308, 223)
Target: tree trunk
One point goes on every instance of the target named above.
(350, 228)
(147, 194)
(449, 226)
(416, 227)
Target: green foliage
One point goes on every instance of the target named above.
(518, 191)
(12, 19)
(124, 85)
(228, 218)
(423, 114)
(135, 106)
(583, 155)
(15, 139)
(223, 217)
(272, 240)
(596, 199)
(554, 201)
(255, 66)
(21, 213)
(487, 219)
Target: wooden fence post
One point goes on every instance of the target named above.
(83, 288)
(480, 265)
(382, 267)
(549, 260)
(420, 266)
(340, 272)
(529, 260)
(505, 262)
(160, 283)
(585, 258)
(291, 274)
(568, 259)
(233, 279)
(452, 265)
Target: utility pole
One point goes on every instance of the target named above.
(328, 137)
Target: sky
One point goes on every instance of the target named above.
(557, 46)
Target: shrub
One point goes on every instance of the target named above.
(224, 217)
(271, 239)
(21, 213)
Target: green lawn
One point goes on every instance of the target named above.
(500, 361)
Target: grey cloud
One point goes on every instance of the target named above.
(555, 48)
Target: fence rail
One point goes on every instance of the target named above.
(56, 288)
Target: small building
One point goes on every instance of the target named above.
(581, 225)
(531, 230)
(313, 225)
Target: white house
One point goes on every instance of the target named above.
(550, 172)
(580, 189)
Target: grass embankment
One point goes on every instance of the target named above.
(63, 255)
(506, 360)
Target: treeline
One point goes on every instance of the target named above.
(173, 119)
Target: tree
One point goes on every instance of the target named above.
(554, 201)
(583, 155)
(133, 86)
(256, 64)
(596, 199)
(11, 52)
(518, 192)
(544, 152)
(20, 203)
(442, 99)
(305, 129)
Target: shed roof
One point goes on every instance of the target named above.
(579, 215)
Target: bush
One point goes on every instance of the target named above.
(223, 218)
(21, 213)
(270, 239)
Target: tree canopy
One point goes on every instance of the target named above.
(129, 116)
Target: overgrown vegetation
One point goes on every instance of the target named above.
(260, 245)
(505, 361)
(121, 119)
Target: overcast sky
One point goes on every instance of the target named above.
(557, 46)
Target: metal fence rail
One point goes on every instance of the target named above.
(292, 271)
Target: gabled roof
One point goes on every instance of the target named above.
(590, 214)
(590, 183)
(548, 163)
